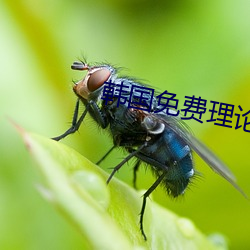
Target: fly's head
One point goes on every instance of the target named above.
(94, 80)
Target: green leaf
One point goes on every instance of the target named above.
(107, 215)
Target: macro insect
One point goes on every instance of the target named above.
(154, 137)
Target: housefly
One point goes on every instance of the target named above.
(160, 140)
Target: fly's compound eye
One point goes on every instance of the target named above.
(97, 79)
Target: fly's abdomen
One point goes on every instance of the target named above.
(178, 176)
(169, 155)
(180, 167)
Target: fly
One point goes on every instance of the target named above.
(156, 138)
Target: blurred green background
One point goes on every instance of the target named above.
(186, 47)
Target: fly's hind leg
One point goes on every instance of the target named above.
(135, 169)
(145, 196)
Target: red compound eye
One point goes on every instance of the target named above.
(97, 79)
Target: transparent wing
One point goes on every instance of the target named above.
(175, 124)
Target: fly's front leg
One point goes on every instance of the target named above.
(97, 114)
(75, 123)
(93, 109)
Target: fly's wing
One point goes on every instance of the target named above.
(175, 124)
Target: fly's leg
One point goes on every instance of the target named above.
(145, 196)
(124, 161)
(91, 107)
(105, 155)
(75, 123)
(136, 167)
(98, 115)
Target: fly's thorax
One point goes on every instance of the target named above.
(152, 125)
